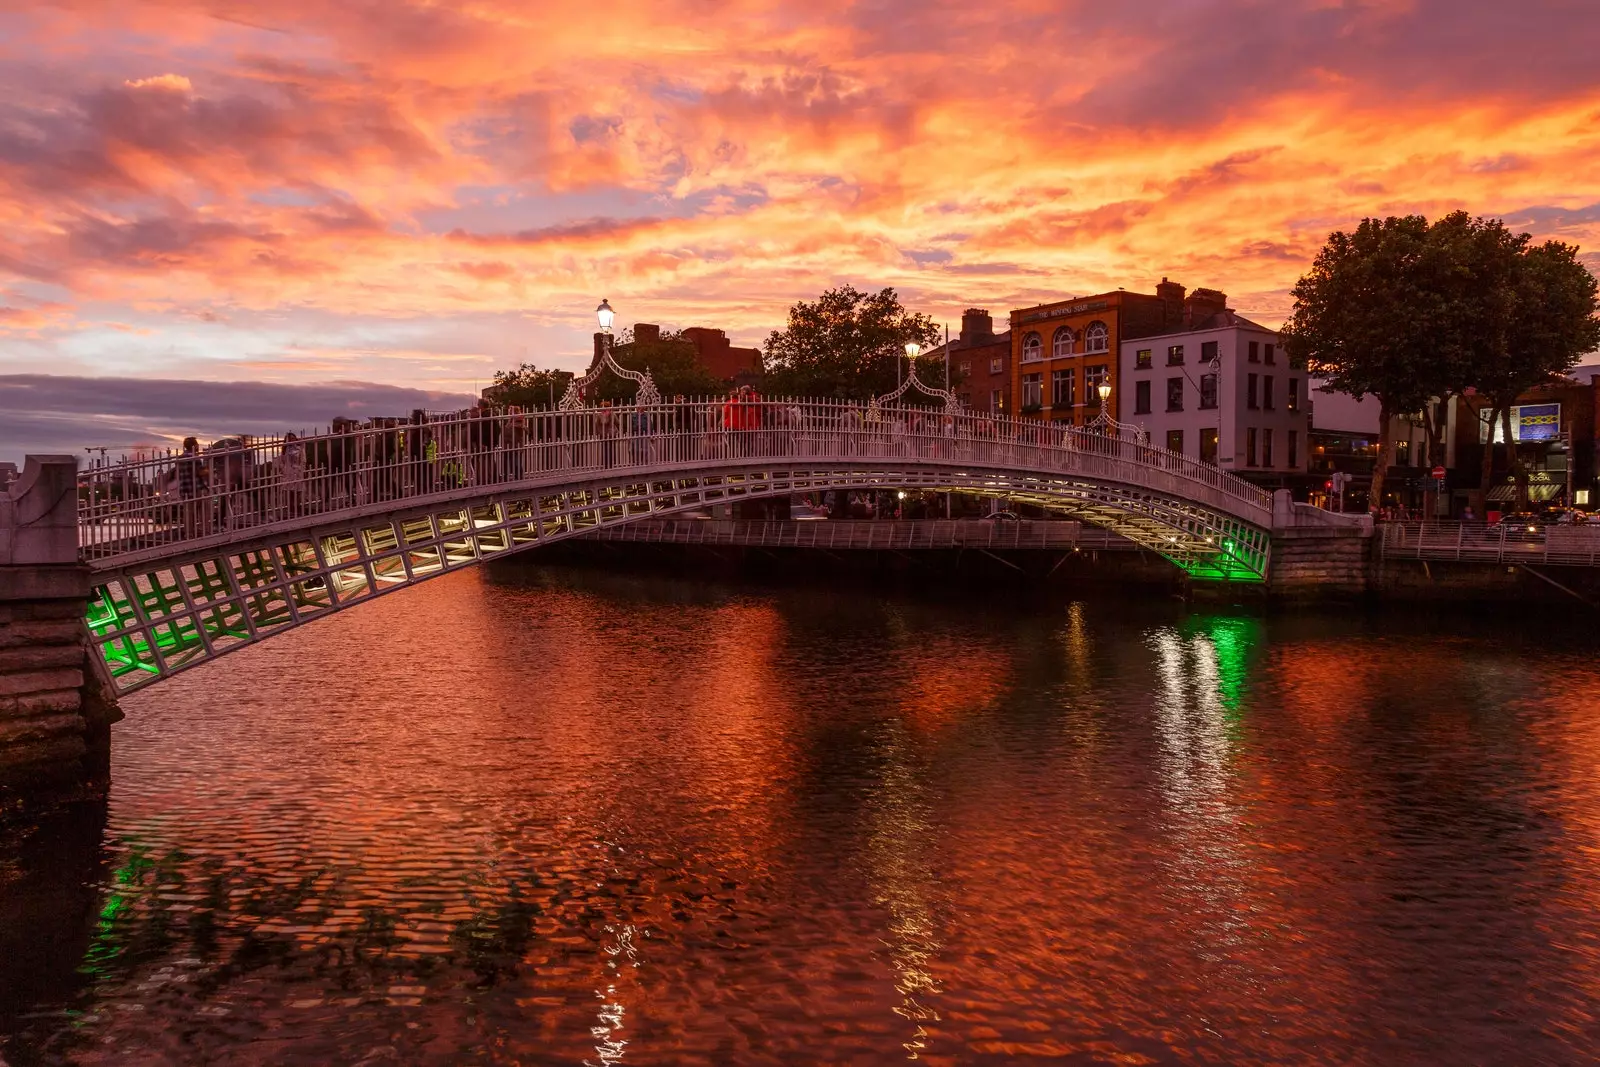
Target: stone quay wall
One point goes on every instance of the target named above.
(56, 708)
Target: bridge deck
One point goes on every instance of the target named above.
(198, 554)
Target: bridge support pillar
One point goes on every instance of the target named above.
(56, 710)
(1320, 563)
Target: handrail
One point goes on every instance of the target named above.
(869, 534)
(1554, 543)
(173, 497)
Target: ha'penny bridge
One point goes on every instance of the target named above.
(193, 556)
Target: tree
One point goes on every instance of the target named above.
(672, 361)
(1542, 315)
(848, 344)
(1379, 314)
(530, 387)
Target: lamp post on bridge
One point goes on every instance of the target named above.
(913, 350)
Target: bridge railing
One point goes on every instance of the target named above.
(904, 534)
(157, 499)
(1505, 542)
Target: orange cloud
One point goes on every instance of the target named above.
(356, 167)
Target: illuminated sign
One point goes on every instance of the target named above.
(1536, 422)
(1529, 422)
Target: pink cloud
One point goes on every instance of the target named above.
(714, 165)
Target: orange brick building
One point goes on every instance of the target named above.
(1063, 350)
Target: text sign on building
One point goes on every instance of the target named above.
(1073, 309)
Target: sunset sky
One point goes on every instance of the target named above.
(308, 193)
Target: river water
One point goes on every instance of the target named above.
(609, 820)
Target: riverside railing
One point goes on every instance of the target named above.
(142, 501)
(882, 534)
(1506, 542)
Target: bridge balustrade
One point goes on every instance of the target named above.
(141, 502)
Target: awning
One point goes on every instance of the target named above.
(1536, 492)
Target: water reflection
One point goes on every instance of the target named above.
(600, 820)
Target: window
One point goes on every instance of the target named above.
(1208, 352)
(996, 401)
(1255, 351)
(997, 365)
(1096, 338)
(1061, 388)
(1141, 359)
(1294, 400)
(1266, 392)
(1250, 447)
(1032, 348)
(1092, 377)
(1032, 392)
(1062, 344)
(1270, 350)
(1175, 441)
(1141, 398)
(965, 366)
(1174, 394)
(1208, 445)
(1266, 448)
(1294, 449)
(1208, 391)
(1250, 393)
(1174, 355)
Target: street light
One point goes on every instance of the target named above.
(605, 315)
(913, 350)
(1104, 389)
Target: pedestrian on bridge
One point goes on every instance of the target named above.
(483, 439)
(189, 476)
(607, 427)
(291, 477)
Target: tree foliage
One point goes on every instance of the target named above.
(530, 387)
(1413, 313)
(672, 362)
(848, 344)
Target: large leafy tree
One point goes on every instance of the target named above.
(848, 344)
(530, 387)
(1539, 315)
(1379, 314)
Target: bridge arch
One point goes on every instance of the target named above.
(171, 593)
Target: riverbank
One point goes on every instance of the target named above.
(1046, 577)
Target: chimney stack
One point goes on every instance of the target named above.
(1171, 294)
(647, 332)
(1201, 305)
(976, 327)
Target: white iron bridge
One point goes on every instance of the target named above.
(196, 555)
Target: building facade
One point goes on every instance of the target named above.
(1219, 389)
(980, 363)
(712, 350)
(1062, 351)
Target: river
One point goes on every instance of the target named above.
(605, 819)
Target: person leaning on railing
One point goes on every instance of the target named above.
(291, 476)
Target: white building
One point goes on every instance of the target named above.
(1222, 391)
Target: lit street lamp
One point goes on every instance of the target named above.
(605, 315)
(913, 350)
(1104, 389)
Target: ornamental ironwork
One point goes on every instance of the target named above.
(648, 394)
